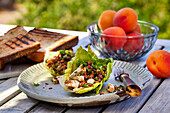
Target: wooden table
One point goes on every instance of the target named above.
(154, 99)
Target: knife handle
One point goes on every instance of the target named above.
(132, 88)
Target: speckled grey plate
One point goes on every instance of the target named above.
(49, 92)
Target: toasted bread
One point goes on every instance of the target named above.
(16, 43)
(14, 32)
(50, 41)
(1, 38)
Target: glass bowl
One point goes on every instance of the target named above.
(126, 48)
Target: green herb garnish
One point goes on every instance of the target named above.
(96, 78)
(62, 51)
(84, 85)
(60, 58)
(84, 64)
(65, 56)
(36, 84)
(46, 60)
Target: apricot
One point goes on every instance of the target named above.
(115, 40)
(137, 28)
(126, 18)
(158, 63)
(134, 43)
(106, 19)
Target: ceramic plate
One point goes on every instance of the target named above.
(49, 92)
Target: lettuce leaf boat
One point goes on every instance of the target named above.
(56, 62)
(86, 72)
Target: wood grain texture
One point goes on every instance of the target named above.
(132, 105)
(13, 70)
(8, 90)
(20, 104)
(160, 100)
(167, 48)
(163, 42)
(45, 107)
(1, 81)
(85, 110)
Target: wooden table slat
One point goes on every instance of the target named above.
(1, 81)
(8, 90)
(159, 102)
(13, 70)
(167, 48)
(20, 104)
(163, 42)
(85, 110)
(45, 107)
(160, 97)
(132, 105)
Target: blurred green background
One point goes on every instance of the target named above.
(77, 14)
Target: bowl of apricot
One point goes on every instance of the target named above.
(123, 38)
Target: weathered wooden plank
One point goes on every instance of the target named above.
(132, 105)
(20, 104)
(8, 89)
(44, 107)
(85, 110)
(160, 100)
(163, 42)
(13, 70)
(167, 48)
(1, 81)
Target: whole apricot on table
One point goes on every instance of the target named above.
(126, 18)
(113, 38)
(158, 63)
(134, 42)
(106, 19)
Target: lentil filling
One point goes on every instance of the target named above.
(59, 63)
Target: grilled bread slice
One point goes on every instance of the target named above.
(50, 41)
(16, 44)
(1, 38)
(14, 32)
